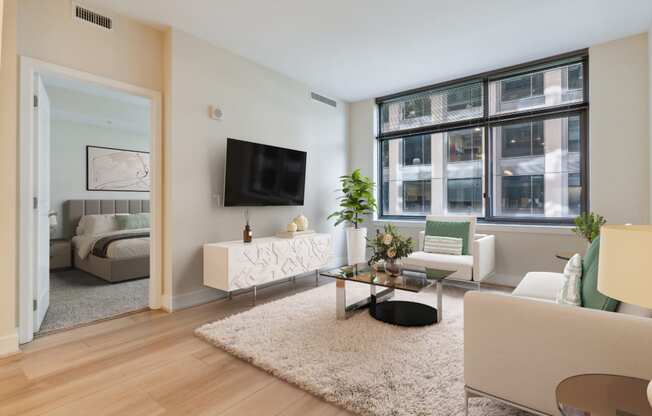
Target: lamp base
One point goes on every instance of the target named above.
(649, 393)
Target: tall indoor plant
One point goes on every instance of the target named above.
(357, 201)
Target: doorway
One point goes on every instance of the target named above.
(90, 162)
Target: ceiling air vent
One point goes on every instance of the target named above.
(323, 99)
(89, 16)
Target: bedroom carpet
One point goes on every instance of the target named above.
(77, 298)
(363, 365)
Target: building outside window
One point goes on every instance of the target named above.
(535, 125)
(416, 196)
(418, 107)
(416, 150)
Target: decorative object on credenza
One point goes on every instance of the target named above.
(357, 201)
(292, 227)
(587, 225)
(293, 234)
(625, 266)
(109, 169)
(389, 247)
(247, 233)
(302, 222)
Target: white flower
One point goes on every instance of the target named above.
(391, 253)
(387, 239)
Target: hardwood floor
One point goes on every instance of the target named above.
(150, 363)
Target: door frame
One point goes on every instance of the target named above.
(159, 285)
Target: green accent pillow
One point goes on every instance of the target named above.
(455, 229)
(591, 298)
(133, 221)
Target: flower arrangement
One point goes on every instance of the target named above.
(389, 246)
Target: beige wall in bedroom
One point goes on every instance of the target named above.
(132, 52)
(619, 159)
(8, 175)
(259, 105)
(619, 135)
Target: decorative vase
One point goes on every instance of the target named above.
(302, 222)
(392, 268)
(356, 245)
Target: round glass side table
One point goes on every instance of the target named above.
(603, 395)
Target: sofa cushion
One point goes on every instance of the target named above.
(422, 260)
(442, 245)
(453, 229)
(570, 293)
(591, 298)
(540, 285)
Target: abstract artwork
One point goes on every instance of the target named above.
(122, 170)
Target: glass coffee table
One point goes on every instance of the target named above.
(397, 312)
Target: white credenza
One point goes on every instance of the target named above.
(234, 265)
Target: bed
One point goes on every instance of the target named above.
(100, 246)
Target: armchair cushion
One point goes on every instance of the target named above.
(453, 229)
(422, 259)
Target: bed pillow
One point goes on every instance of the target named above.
(442, 245)
(133, 221)
(97, 224)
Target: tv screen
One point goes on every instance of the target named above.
(257, 174)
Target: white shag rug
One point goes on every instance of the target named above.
(365, 366)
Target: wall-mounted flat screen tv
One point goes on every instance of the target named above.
(258, 175)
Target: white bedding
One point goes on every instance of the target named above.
(121, 249)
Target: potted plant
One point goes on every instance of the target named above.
(390, 247)
(357, 201)
(587, 226)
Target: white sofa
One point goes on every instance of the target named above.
(476, 266)
(519, 347)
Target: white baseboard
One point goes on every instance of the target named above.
(9, 344)
(198, 297)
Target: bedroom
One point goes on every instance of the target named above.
(98, 210)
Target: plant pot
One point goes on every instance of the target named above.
(392, 268)
(356, 245)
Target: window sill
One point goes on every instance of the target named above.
(483, 227)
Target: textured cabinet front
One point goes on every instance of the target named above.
(235, 265)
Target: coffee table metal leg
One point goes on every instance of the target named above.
(340, 299)
(440, 306)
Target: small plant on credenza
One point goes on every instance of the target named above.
(587, 226)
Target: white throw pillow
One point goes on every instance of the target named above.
(570, 293)
(97, 224)
(442, 245)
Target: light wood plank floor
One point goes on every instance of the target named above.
(150, 363)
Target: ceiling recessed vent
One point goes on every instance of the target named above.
(89, 16)
(323, 99)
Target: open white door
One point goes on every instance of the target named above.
(41, 202)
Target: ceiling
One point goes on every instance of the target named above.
(357, 49)
(85, 103)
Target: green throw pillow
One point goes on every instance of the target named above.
(591, 298)
(455, 229)
(133, 221)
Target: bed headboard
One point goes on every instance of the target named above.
(74, 209)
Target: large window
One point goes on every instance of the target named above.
(505, 146)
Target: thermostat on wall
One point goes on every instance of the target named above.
(215, 112)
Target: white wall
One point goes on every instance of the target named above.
(8, 182)
(619, 131)
(259, 105)
(68, 162)
(619, 160)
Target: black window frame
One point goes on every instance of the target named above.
(486, 122)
